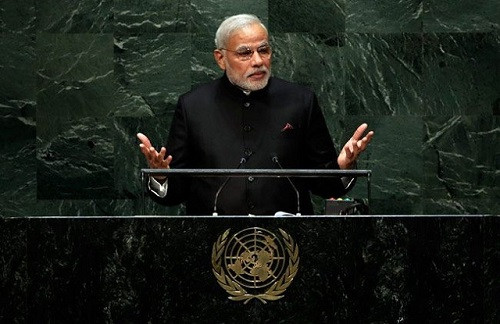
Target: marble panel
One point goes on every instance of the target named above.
(73, 57)
(491, 268)
(461, 160)
(17, 76)
(62, 16)
(17, 123)
(78, 162)
(384, 16)
(446, 252)
(132, 17)
(74, 79)
(461, 73)
(18, 165)
(17, 17)
(313, 16)
(383, 74)
(206, 15)
(385, 253)
(13, 270)
(152, 70)
(203, 66)
(461, 16)
(314, 61)
(461, 206)
(89, 207)
(88, 251)
(382, 269)
(389, 206)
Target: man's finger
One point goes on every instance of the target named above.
(367, 139)
(152, 154)
(161, 155)
(166, 163)
(144, 139)
(362, 144)
(359, 131)
(349, 150)
(144, 150)
(369, 136)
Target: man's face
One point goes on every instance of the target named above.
(247, 73)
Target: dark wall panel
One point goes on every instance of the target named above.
(79, 79)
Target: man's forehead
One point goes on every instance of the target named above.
(249, 36)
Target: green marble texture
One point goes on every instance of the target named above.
(79, 79)
(351, 269)
(384, 16)
(132, 17)
(461, 73)
(315, 61)
(461, 163)
(17, 83)
(17, 17)
(461, 16)
(77, 163)
(60, 16)
(206, 15)
(383, 74)
(154, 70)
(14, 270)
(203, 68)
(313, 16)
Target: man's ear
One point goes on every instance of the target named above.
(219, 58)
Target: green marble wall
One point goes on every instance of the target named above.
(78, 79)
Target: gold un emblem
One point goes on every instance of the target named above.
(255, 263)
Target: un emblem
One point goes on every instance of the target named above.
(255, 263)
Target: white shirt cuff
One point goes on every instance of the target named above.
(348, 182)
(159, 189)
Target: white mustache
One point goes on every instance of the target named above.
(262, 69)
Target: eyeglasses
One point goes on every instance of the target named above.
(246, 53)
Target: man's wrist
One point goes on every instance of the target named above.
(348, 166)
(160, 179)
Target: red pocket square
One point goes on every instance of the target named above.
(288, 126)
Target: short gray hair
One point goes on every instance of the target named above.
(232, 24)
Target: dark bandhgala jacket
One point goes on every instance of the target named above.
(216, 125)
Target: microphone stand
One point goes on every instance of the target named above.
(242, 161)
(275, 160)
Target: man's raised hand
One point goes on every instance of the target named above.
(156, 160)
(354, 146)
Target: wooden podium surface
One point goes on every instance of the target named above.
(333, 269)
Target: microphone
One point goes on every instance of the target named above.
(242, 161)
(276, 160)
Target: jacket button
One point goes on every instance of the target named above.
(247, 128)
(248, 152)
(246, 104)
(251, 179)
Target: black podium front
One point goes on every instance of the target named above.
(182, 269)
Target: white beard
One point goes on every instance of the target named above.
(246, 84)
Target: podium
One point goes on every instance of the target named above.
(161, 269)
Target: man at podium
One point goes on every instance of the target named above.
(249, 119)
